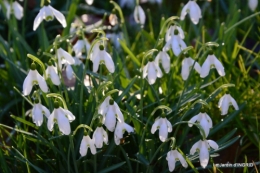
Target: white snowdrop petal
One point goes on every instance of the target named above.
(59, 16)
(155, 125)
(109, 62)
(152, 74)
(18, 10)
(194, 13)
(234, 103)
(38, 19)
(28, 83)
(185, 70)
(204, 154)
(184, 11)
(205, 68)
(42, 83)
(54, 76)
(213, 144)
(69, 72)
(163, 132)
(139, 15)
(195, 147)
(83, 147)
(219, 67)
(110, 120)
(63, 122)
(182, 160)
(193, 120)
(51, 118)
(46, 111)
(252, 4)
(37, 114)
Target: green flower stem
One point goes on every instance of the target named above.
(58, 96)
(123, 24)
(38, 61)
(188, 161)
(73, 153)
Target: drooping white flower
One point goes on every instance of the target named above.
(99, 55)
(14, 8)
(203, 148)
(164, 58)
(204, 120)
(61, 116)
(100, 136)
(209, 63)
(139, 15)
(172, 157)
(34, 78)
(51, 73)
(187, 64)
(164, 127)
(82, 46)
(89, 2)
(252, 4)
(121, 127)
(224, 103)
(176, 43)
(86, 143)
(170, 32)
(193, 9)
(48, 13)
(110, 111)
(152, 70)
(37, 113)
(64, 58)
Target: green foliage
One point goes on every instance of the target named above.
(234, 39)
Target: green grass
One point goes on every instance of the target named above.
(230, 29)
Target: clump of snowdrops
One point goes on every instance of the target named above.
(96, 106)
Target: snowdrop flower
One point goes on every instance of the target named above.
(63, 117)
(51, 73)
(164, 58)
(164, 127)
(86, 143)
(38, 111)
(139, 15)
(34, 78)
(210, 62)
(187, 64)
(203, 148)
(204, 120)
(170, 32)
(48, 13)
(100, 136)
(99, 55)
(89, 2)
(224, 103)
(80, 47)
(252, 4)
(176, 43)
(152, 70)
(64, 58)
(121, 127)
(15, 8)
(172, 157)
(193, 9)
(110, 111)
